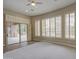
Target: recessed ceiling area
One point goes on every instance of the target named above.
(20, 6)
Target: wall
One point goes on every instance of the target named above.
(62, 12)
(11, 16)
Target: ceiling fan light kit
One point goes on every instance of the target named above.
(33, 4)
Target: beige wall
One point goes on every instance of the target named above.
(17, 18)
(62, 12)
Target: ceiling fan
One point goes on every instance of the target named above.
(33, 3)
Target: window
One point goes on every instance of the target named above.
(47, 28)
(70, 26)
(58, 26)
(43, 27)
(52, 27)
(37, 28)
(67, 25)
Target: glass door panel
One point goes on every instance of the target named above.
(13, 33)
(23, 30)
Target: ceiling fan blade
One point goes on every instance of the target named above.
(29, 0)
(39, 3)
(28, 4)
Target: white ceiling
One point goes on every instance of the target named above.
(47, 6)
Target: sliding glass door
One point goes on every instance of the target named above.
(16, 33)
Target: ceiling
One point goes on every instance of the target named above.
(47, 6)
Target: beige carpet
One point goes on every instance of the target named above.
(41, 50)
